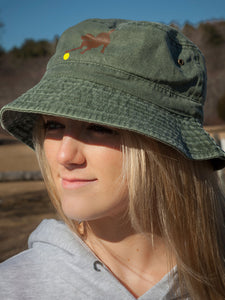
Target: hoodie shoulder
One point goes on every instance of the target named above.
(58, 265)
(50, 240)
(52, 253)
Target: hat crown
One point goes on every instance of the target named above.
(136, 57)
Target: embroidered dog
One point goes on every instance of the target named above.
(90, 41)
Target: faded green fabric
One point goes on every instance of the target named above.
(141, 76)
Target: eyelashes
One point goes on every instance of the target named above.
(100, 129)
(51, 125)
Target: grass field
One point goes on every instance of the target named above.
(22, 204)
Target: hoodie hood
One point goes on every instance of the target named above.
(57, 233)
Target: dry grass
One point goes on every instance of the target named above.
(17, 157)
(22, 204)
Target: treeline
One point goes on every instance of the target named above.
(211, 32)
(31, 48)
(213, 35)
(210, 38)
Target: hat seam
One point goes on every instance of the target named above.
(137, 78)
(30, 92)
(133, 99)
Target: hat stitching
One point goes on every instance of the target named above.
(133, 99)
(120, 94)
(134, 76)
(120, 90)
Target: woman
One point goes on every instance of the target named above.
(116, 123)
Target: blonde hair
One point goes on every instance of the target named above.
(175, 197)
(181, 199)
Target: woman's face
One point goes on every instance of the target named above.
(86, 164)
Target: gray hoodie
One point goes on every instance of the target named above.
(59, 265)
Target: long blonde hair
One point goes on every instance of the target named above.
(179, 199)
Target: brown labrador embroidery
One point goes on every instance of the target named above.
(90, 41)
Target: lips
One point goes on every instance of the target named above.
(75, 183)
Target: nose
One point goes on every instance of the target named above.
(70, 153)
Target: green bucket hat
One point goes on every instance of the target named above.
(139, 76)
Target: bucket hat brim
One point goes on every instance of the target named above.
(92, 102)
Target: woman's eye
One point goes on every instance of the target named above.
(101, 129)
(52, 125)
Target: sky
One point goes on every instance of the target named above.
(46, 19)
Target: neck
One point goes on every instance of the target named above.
(137, 260)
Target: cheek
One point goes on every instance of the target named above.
(110, 174)
(109, 162)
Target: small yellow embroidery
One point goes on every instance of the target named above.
(66, 56)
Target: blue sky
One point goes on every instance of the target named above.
(44, 19)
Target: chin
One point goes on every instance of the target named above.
(79, 213)
(84, 215)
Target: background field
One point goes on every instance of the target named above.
(23, 204)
